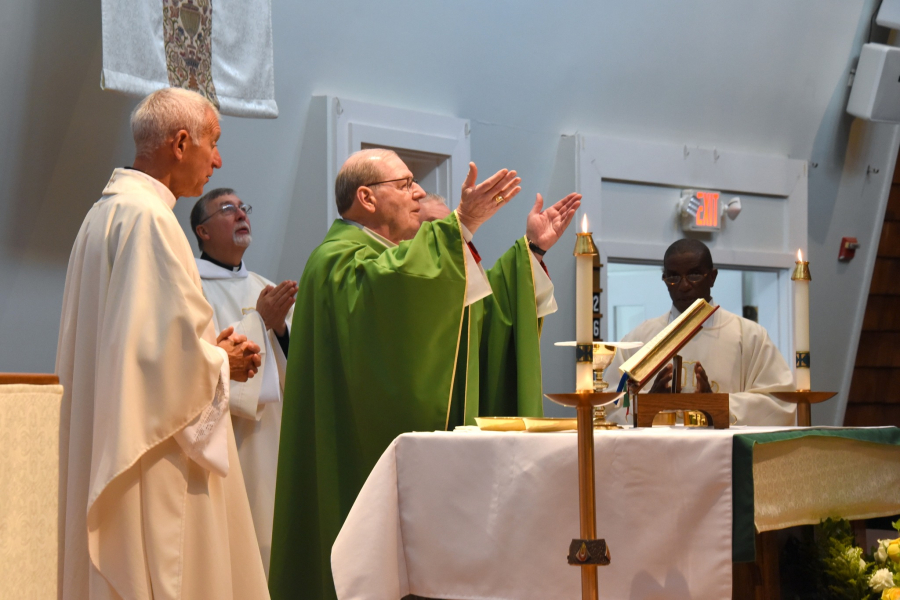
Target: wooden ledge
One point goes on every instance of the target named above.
(29, 378)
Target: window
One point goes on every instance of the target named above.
(636, 293)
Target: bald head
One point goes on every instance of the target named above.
(433, 207)
(692, 247)
(362, 168)
(376, 189)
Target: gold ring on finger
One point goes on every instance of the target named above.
(498, 199)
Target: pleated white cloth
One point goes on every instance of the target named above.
(29, 490)
(489, 516)
(220, 48)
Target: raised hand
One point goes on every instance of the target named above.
(243, 355)
(663, 382)
(703, 386)
(544, 228)
(273, 305)
(480, 202)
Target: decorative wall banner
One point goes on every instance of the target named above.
(152, 44)
(187, 35)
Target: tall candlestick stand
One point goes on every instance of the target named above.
(586, 552)
(803, 400)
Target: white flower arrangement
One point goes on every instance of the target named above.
(881, 580)
(886, 579)
(881, 552)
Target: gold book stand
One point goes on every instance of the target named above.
(714, 406)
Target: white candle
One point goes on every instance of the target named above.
(801, 279)
(584, 311)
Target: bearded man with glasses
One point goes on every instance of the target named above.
(730, 354)
(262, 311)
(399, 328)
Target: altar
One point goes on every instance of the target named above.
(478, 515)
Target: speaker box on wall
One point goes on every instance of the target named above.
(876, 88)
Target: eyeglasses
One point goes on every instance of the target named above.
(692, 278)
(409, 182)
(228, 210)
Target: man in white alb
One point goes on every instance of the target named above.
(153, 504)
(262, 311)
(730, 354)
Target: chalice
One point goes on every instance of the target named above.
(603, 356)
(604, 353)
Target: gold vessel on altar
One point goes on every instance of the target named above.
(549, 424)
(500, 423)
(603, 355)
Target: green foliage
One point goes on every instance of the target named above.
(827, 566)
(843, 577)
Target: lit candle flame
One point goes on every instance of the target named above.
(799, 255)
(584, 228)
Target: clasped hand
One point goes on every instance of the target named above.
(243, 355)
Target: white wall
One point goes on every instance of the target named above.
(766, 77)
(844, 201)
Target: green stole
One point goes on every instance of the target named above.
(381, 345)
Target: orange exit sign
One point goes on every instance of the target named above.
(700, 210)
(708, 213)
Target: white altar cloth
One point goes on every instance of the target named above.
(491, 515)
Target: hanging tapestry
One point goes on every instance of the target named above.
(219, 48)
(187, 35)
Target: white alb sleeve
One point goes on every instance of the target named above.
(205, 439)
(477, 284)
(244, 397)
(543, 289)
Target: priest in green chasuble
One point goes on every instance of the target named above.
(397, 328)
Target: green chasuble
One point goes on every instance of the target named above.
(381, 345)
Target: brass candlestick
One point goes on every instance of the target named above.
(586, 552)
(803, 399)
(801, 271)
(584, 244)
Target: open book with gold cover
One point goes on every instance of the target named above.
(656, 353)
